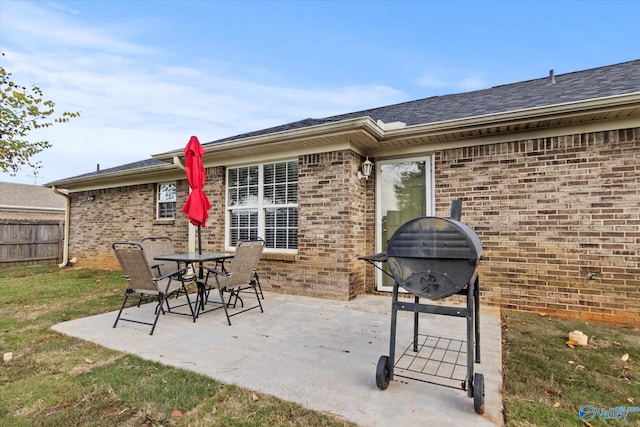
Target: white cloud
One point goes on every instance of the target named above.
(431, 80)
(451, 81)
(133, 104)
(473, 83)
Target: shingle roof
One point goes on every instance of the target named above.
(577, 86)
(595, 83)
(29, 196)
(129, 166)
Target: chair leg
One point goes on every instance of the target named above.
(235, 293)
(255, 273)
(201, 299)
(161, 299)
(255, 285)
(226, 312)
(159, 307)
(178, 292)
(186, 293)
(126, 297)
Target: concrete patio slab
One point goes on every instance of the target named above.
(316, 352)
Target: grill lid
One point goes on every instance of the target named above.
(433, 257)
(433, 237)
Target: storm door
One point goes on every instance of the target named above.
(404, 191)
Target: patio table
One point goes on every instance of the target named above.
(200, 258)
(193, 257)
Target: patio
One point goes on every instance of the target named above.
(319, 353)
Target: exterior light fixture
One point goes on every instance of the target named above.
(91, 198)
(367, 168)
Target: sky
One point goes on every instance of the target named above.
(146, 75)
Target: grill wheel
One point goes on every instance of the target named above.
(382, 373)
(478, 393)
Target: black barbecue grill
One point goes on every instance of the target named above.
(434, 258)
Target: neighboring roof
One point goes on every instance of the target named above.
(597, 83)
(31, 197)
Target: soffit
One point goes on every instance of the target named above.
(553, 122)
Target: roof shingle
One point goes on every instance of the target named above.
(611, 80)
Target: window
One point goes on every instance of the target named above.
(166, 200)
(262, 201)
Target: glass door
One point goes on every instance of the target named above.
(404, 192)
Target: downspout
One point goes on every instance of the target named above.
(178, 163)
(67, 228)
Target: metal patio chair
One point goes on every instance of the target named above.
(163, 245)
(240, 276)
(144, 284)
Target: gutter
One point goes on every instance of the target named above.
(67, 229)
(545, 112)
(116, 179)
(319, 130)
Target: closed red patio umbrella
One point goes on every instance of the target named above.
(197, 204)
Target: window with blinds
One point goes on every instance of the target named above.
(262, 201)
(166, 201)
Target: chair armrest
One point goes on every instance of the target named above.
(156, 267)
(217, 274)
(214, 271)
(173, 273)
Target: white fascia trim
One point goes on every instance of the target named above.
(546, 132)
(323, 129)
(280, 156)
(488, 120)
(151, 174)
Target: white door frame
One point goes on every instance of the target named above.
(429, 200)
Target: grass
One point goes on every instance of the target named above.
(55, 380)
(546, 381)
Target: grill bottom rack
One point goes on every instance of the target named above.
(438, 360)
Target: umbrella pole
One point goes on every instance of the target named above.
(200, 269)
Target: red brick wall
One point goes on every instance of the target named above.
(332, 226)
(129, 213)
(213, 232)
(550, 212)
(331, 231)
(117, 214)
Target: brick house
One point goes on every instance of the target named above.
(548, 169)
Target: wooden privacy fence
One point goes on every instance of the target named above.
(24, 242)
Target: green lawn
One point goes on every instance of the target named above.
(547, 381)
(55, 380)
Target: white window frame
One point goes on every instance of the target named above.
(159, 202)
(259, 205)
